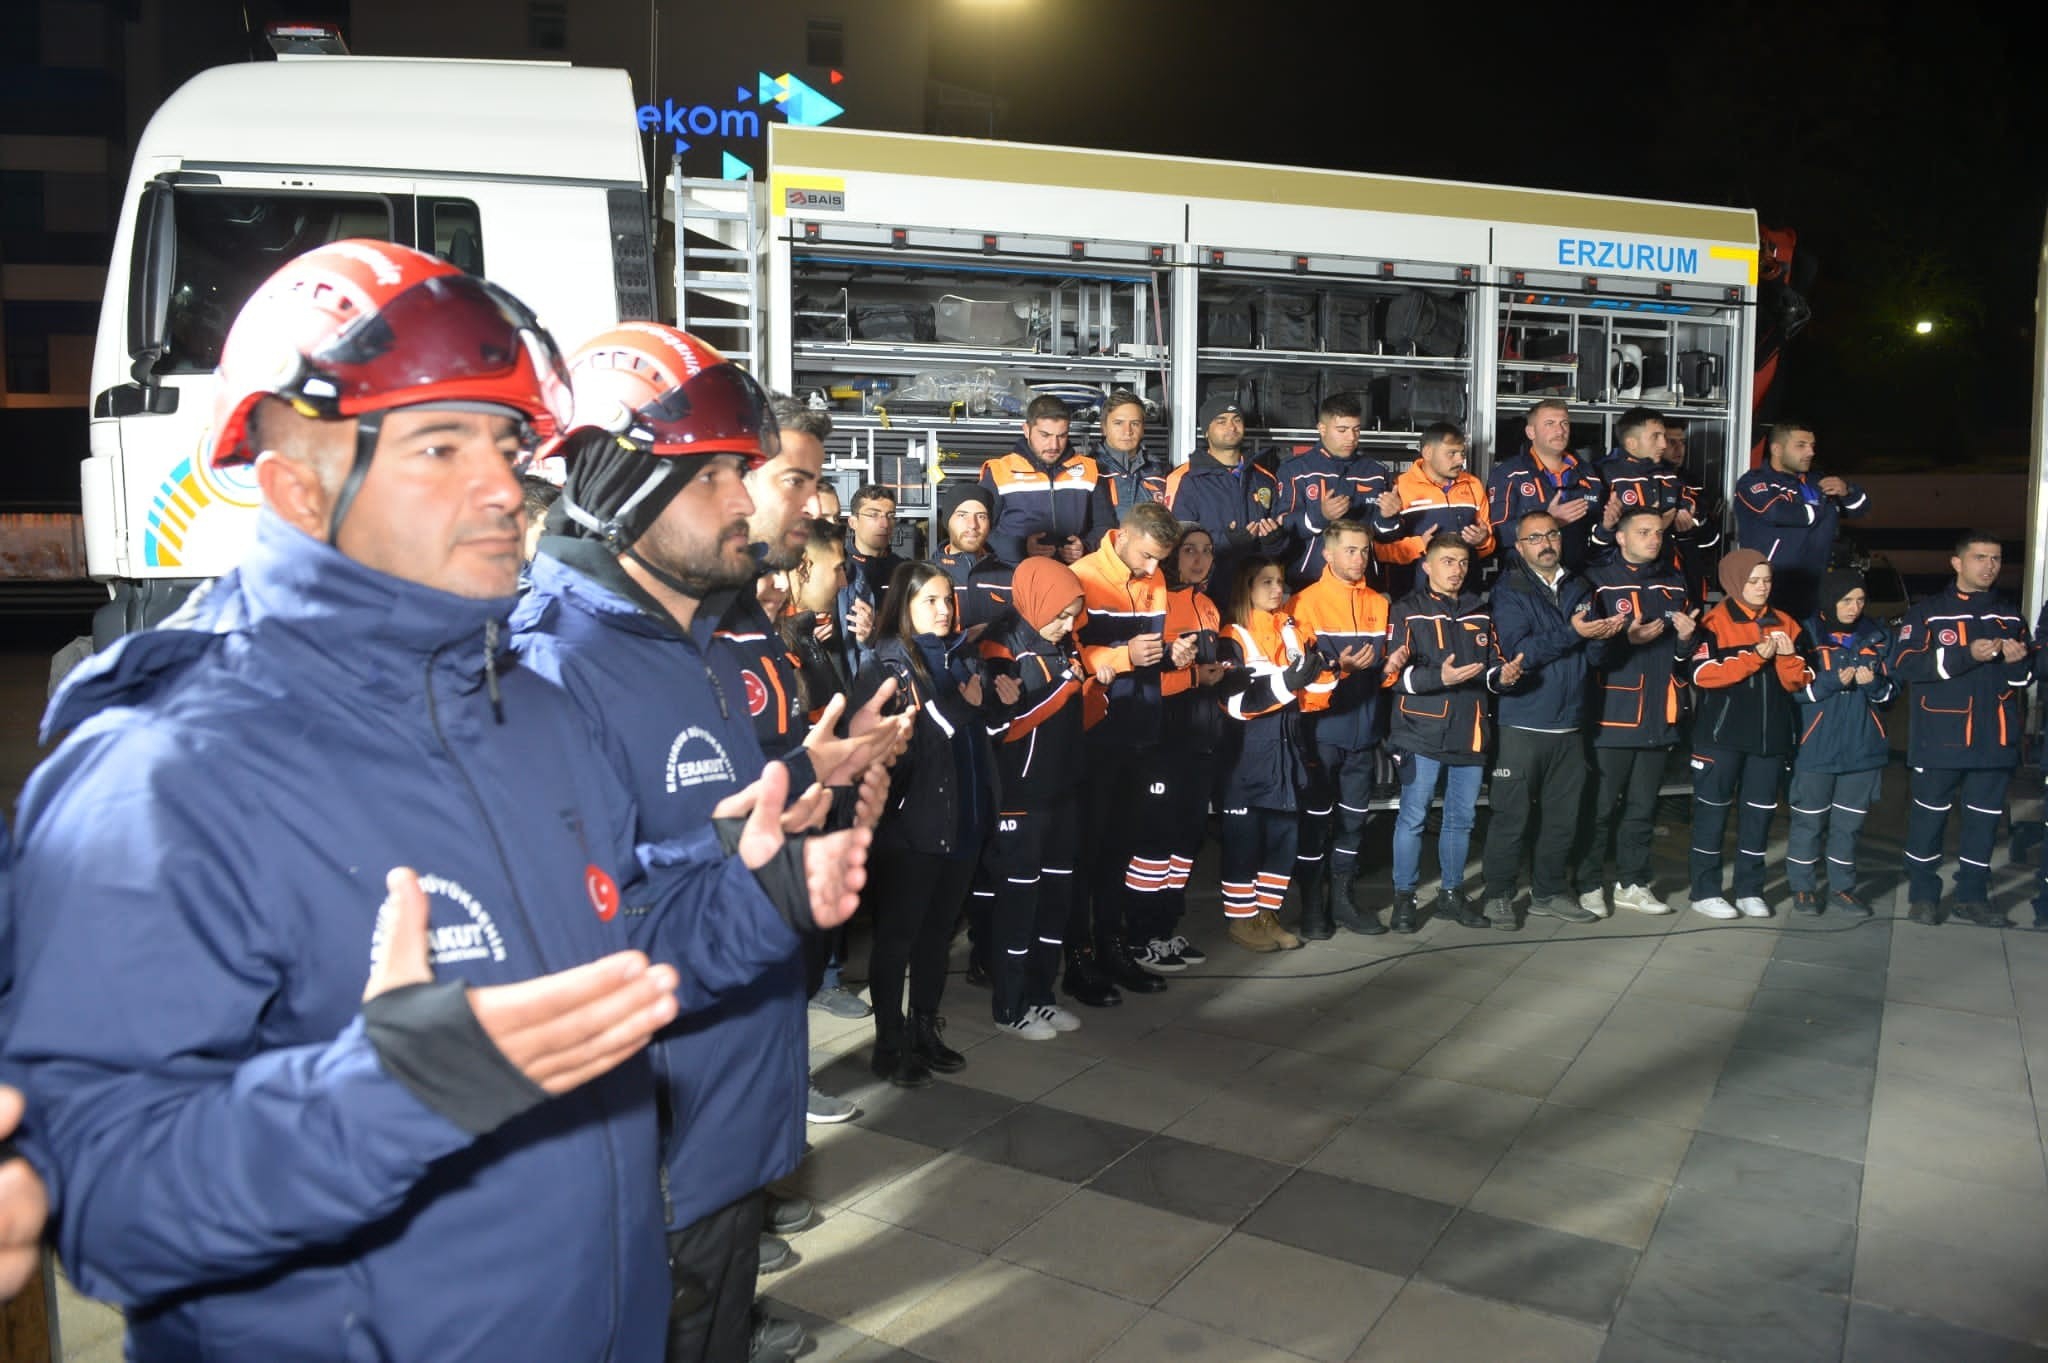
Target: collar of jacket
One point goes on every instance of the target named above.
(1462, 603)
(585, 573)
(362, 624)
(1739, 610)
(1111, 464)
(1068, 454)
(1358, 588)
(1520, 568)
(1114, 570)
(1421, 470)
(1203, 462)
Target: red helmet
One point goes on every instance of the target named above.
(666, 393)
(360, 326)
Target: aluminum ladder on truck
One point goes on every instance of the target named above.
(718, 251)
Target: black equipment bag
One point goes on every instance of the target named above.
(895, 322)
(1358, 383)
(1288, 397)
(1227, 321)
(1347, 322)
(1287, 319)
(1408, 402)
(1243, 389)
(1421, 322)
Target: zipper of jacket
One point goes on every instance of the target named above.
(526, 921)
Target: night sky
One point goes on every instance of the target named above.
(1904, 145)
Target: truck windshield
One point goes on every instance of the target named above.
(228, 243)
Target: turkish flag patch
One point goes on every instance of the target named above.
(757, 693)
(603, 890)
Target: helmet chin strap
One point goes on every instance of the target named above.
(368, 426)
(696, 591)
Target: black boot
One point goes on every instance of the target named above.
(1318, 923)
(1353, 915)
(895, 1059)
(1453, 905)
(1085, 983)
(977, 966)
(1404, 911)
(1115, 959)
(928, 1043)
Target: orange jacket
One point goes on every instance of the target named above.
(1120, 607)
(1429, 508)
(1743, 704)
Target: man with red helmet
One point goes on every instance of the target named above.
(624, 614)
(255, 1153)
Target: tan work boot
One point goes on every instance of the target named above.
(1253, 933)
(1281, 937)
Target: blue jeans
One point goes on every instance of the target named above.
(1461, 797)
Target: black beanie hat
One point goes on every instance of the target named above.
(955, 491)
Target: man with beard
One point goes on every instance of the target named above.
(1131, 475)
(1542, 612)
(1330, 483)
(1547, 477)
(1237, 501)
(1791, 518)
(1637, 478)
(622, 615)
(981, 581)
(1046, 497)
(871, 561)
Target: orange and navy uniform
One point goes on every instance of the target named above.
(1338, 616)
(1430, 508)
(1119, 608)
(1644, 484)
(1522, 484)
(1745, 699)
(1839, 728)
(1966, 714)
(1028, 498)
(1224, 499)
(1642, 691)
(1262, 789)
(1453, 724)
(1039, 751)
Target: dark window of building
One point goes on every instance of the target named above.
(547, 25)
(825, 42)
(228, 243)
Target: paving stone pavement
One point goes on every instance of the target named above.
(1647, 1140)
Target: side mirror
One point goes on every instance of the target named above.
(153, 265)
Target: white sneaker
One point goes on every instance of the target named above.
(1029, 1026)
(1594, 902)
(1716, 907)
(1641, 898)
(1749, 906)
(1056, 1017)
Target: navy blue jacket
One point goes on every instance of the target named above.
(981, 586)
(927, 784)
(1224, 499)
(1138, 478)
(1068, 499)
(1556, 665)
(1308, 478)
(1453, 724)
(1521, 485)
(1839, 728)
(671, 713)
(1965, 714)
(1040, 752)
(196, 888)
(1640, 691)
(1791, 522)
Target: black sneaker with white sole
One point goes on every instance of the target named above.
(1189, 953)
(1158, 958)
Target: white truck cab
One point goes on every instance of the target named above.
(528, 172)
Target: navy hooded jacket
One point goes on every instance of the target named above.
(198, 873)
(1839, 728)
(671, 713)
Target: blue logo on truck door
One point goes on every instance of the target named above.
(1596, 253)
